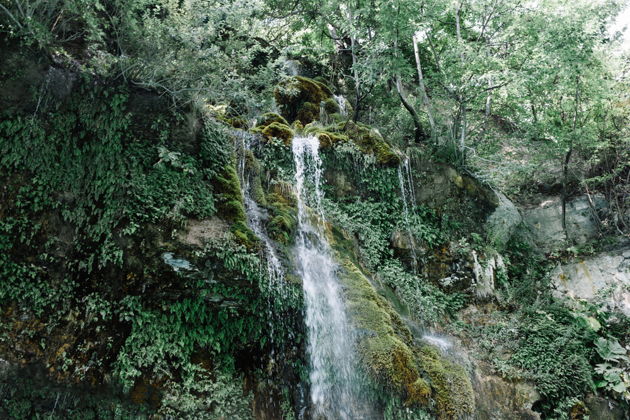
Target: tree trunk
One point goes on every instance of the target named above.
(461, 99)
(565, 176)
(423, 90)
(418, 133)
(462, 129)
(355, 74)
(567, 158)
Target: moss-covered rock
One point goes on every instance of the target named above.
(308, 112)
(283, 213)
(326, 137)
(331, 106)
(370, 141)
(230, 205)
(384, 342)
(299, 98)
(453, 395)
(387, 350)
(237, 122)
(271, 117)
(278, 130)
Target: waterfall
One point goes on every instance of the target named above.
(276, 289)
(333, 366)
(255, 217)
(409, 204)
(341, 102)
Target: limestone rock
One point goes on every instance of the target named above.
(198, 231)
(502, 223)
(604, 409)
(485, 273)
(545, 221)
(604, 278)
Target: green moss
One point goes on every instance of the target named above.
(299, 97)
(331, 106)
(369, 141)
(244, 235)
(237, 122)
(253, 169)
(279, 131)
(384, 344)
(454, 395)
(326, 137)
(386, 347)
(271, 117)
(230, 206)
(283, 212)
(308, 112)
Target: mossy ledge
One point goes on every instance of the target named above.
(421, 376)
(367, 139)
(273, 125)
(453, 393)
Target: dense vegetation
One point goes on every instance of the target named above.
(131, 285)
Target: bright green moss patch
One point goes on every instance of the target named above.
(230, 206)
(326, 137)
(368, 140)
(384, 342)
(453, 394)
(277, 130)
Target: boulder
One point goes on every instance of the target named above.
(545, 221)
(498, 399)
(502, 222)
(603, 278)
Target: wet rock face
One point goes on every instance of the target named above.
(545, 221)
(602, 408)
(502, 223)
(60, 82)
(500, 399)
(604, 278)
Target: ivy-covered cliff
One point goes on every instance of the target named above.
(201, 217)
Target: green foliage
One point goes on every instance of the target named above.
(548, 345)
(211, 395)
(222, 315)
(527, 272)
(426, 302)
(25, 393)
(77, 153)
(615, 370)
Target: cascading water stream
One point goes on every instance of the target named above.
(409, 204)
(276, 290)
(341, 103)
(255, 218)
(335, 383)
